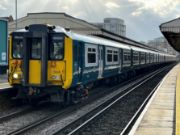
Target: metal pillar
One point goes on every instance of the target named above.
(16, 12)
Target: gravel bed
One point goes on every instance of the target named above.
(5, 102)
(115, 119)
(23, 120)
(52, 126)
(7, 105)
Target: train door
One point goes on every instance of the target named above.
(80, 61)
(35, 60)
(101, 65)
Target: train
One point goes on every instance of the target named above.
(46, 60)
(3, 46)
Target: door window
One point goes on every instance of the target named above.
(36, 45)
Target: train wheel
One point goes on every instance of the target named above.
(66, 98)
(74, 98)
(76, 95)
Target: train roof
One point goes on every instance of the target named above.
(97, 40)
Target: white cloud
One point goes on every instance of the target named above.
(159, 7)
(3, 4)
(136, 13)
(111, 5)
(2, 8)
(152, 12)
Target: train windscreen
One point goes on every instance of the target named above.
(56, 47)
(17, 49)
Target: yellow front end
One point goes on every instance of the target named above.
(59, 72)
(15, 67)
(35, 67)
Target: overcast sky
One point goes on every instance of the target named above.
(142, 17)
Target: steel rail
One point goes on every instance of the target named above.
(14, 114)
(66, 111)
(110, 104)
(138, 112)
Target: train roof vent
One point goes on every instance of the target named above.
(67, 29)
(51, 27)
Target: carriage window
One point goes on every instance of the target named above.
(135, 57)
(142, 57)
(91, 55)
(109, 56)
(126, 56)
(36, 44)
(147, 57)
(112, 56)
(57, 48)
(17, 47)
(115, 56)
(151, 58)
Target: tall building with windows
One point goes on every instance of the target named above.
(114, 25)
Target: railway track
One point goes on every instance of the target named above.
(138, 112)
(59, 122)
(16, 120)
(15, 114)
(86, 124)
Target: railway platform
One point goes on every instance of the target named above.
(3, 82)
(3, 78)
(4, 86)
(161, 116)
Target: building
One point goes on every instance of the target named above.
(162, 44)
(60, 19)
(9, 19)
(114, 25)
(74, 24)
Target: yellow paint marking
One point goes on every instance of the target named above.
(34, 72)
(178, 104)
(68, 57)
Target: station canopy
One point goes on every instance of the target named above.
(171, 31)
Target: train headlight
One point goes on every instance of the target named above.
(15, 76)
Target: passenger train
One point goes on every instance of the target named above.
(46, 60)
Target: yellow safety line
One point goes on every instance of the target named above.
(178, 104)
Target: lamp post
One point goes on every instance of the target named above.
(16, 12)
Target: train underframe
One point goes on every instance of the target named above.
(76, 94)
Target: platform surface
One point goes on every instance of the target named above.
(4, 86)
(3, 78)
(158, 117)
(4, 82)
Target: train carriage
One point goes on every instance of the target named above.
(46, 59)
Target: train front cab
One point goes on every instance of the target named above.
(39, 59)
